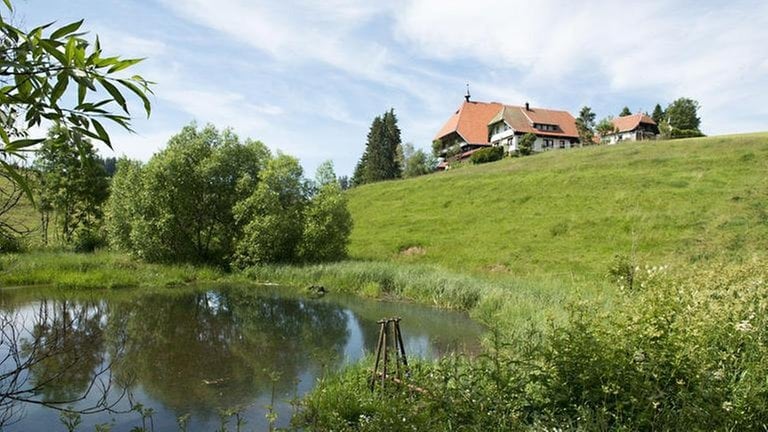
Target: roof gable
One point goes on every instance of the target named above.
(631, 122)
(471, 121)
(523, 120)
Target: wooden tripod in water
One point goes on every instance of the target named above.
(390, 338)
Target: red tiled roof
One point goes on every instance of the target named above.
(631, 122)
(471, 121)
(522, 120)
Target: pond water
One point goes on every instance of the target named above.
(196, 352)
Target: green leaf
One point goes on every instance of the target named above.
(17, 145)
(53, 50)
(81, 91)
(136, 90)
(67, 29)
(8, 4)
(4, 136)
(124, 64)
(19, 179)
(69, 51)
(115, 93)
(59, 88)
(103, 135)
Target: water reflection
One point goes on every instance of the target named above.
(198, 352)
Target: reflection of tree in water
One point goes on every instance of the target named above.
(70, 346)
(209, 349)
(52, 354)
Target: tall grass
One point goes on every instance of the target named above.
(96, 270)
(501, 302)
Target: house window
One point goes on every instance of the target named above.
(548, 143)
(562, 143)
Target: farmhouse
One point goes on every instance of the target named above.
(635, 127)
(554, 129)
(476, 125)
(467, 129)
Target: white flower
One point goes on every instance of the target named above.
(727, 406)
(744, 326)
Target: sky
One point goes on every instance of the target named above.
(307, 77)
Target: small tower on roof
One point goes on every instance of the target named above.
(467, 96)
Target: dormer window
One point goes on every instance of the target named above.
(545, 127)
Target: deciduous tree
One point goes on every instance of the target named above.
(606, 127)
(683, 114)
(182, 210)
(73, 183)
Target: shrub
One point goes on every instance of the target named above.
(525, 146)
(179, 206)
(489, 154)
(88, 239)
(9, 244)
(327, 227)
(688, 352)
(685, 133)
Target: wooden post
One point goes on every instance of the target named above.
(390, 334)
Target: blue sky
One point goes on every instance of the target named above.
(306, 77)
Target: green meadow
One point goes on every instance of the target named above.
(567, 213)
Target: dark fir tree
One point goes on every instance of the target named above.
(625, 112)
(380, 158)
(658, 114)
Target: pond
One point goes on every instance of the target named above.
(195, 352)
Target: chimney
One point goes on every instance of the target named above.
(527, 106)
(467, 96)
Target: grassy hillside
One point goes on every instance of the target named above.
(568, 213)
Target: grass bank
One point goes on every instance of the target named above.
(567, 213)
(500, 302)
(97, 270)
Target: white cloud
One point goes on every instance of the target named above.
(668, 49)
(295, 32)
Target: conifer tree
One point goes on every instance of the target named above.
(380, 158)
(658, 114)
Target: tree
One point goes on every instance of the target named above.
(625, 112)
(344, 183)
(273, 216)
(417, 162)
(658, 114)
(380, 159)
(525, 146)
(37, 69)
(683, 115)
(606, 127)
(585, 124)
(73, 183)
(124, 204)
(328, 224)
(11, 227)
(181, 209)
(55, 358)
(325, 174)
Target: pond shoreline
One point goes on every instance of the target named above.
(504, 303)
